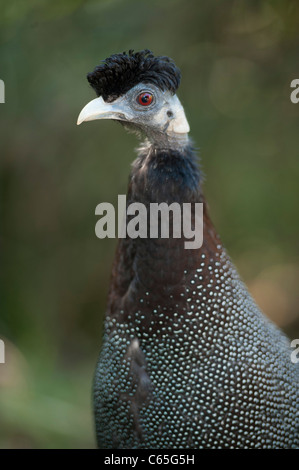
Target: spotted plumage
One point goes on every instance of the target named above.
(188, 360)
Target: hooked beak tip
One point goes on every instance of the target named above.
(99, 109)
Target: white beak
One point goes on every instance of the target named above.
(99, 109)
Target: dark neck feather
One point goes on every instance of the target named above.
(165, 175)
(158, 266)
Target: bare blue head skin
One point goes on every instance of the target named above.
(163, 121)
(120, 79)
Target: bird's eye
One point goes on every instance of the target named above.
(145, 98)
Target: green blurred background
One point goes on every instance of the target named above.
(238, 59)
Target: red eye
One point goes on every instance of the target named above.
(145, 99)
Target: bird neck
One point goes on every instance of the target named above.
(165, 172)
(147, 268)
(163, 141)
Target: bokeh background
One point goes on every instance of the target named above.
(238, 59)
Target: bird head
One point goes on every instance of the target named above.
(138, 89)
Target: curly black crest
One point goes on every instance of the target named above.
(120, 72)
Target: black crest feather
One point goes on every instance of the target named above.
(120, 72)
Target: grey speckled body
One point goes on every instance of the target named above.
(188, 359)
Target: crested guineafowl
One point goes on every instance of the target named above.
(188, 360)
